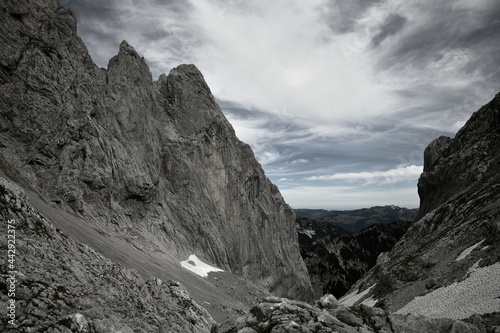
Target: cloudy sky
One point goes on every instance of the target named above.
(338, 98)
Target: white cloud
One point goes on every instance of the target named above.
(300, 160)
(267, 157)
(274, 56)
(401, 174)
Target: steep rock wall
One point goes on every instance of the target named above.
(453, 165)
(154, 162)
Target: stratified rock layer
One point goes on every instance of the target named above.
(156, 162)
(451, 254)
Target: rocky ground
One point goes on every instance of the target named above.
(237, 288)
(279, 315)
(128, 253)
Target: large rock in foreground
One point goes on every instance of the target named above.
(155, 163)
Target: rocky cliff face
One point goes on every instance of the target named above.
(154, 162)
(450, 255)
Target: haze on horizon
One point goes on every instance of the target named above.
(338, 99)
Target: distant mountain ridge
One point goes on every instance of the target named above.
(357, 219)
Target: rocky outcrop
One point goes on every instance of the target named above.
(155, 162)
(60, 285)
(450, 255)
(285, 316)
(433, 151)
(455, 165)
(336, 263)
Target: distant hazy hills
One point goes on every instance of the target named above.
(355, 220)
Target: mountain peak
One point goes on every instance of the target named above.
(128, 65)
(126, 48)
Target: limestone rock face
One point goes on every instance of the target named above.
(450, 254)
(453, 165)
(155, 162)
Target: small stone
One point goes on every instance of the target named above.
(328, 301)
(327, 319)
(349, 318)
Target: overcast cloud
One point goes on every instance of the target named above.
(338, 99)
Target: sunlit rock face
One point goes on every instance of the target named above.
(155, 162)
(451, 253)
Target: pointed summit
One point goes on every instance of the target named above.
(129, 65)
(126, 48)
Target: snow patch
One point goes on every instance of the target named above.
(198, 267)
(468, 250)
(353, 297)
(479, 293)
(370, 301)
(309, 232)
(473, 268)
